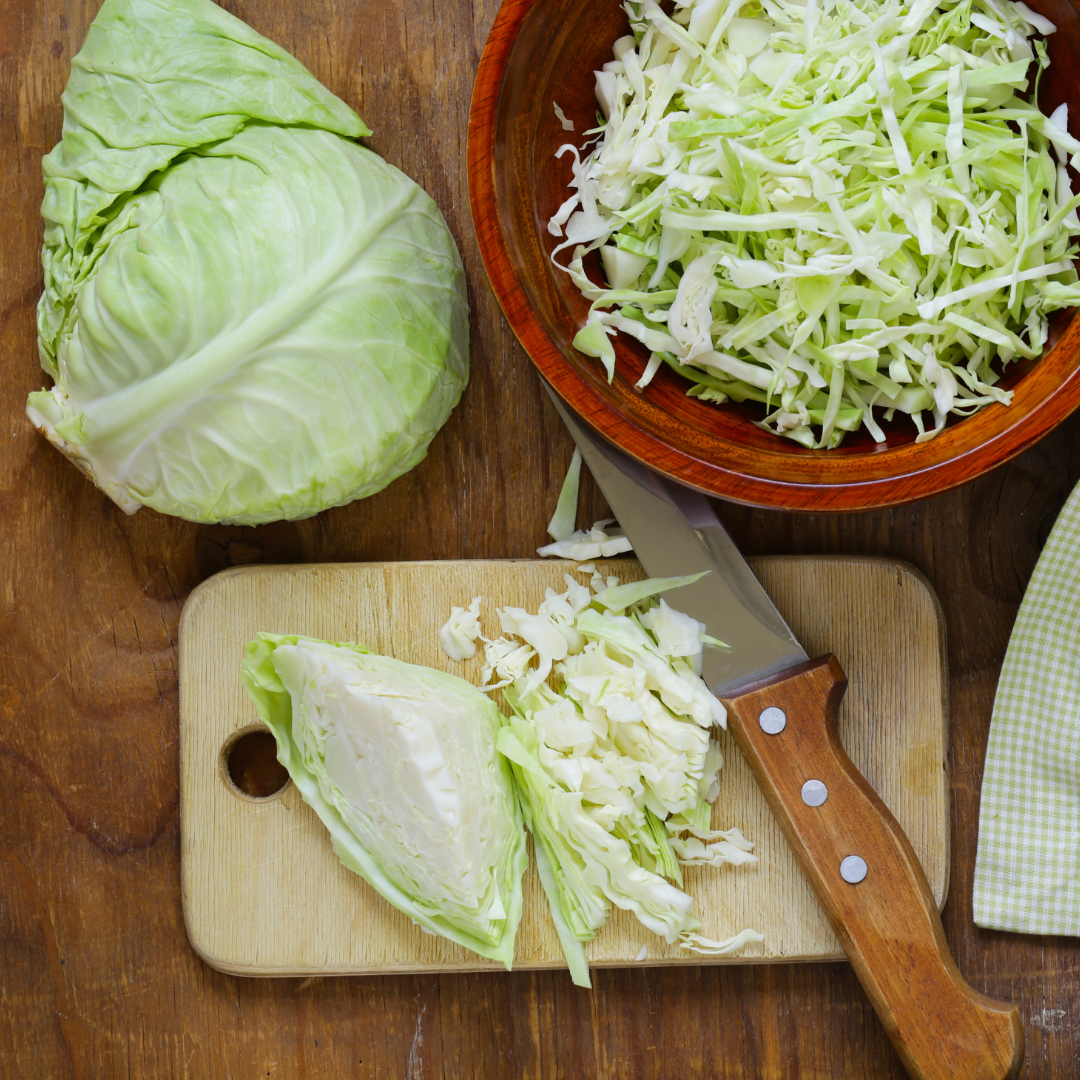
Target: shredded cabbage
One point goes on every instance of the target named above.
(614, 758)
(597, 542)
(561, 526)
(843, 209)
(459, 633)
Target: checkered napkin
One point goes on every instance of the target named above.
(1027, 875)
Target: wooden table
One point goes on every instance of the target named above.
(97, 979)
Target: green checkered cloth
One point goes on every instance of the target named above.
(1027, 874)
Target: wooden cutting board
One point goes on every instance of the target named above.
(264, 894)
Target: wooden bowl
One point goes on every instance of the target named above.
(542, 52)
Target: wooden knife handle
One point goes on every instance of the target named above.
(888, 921)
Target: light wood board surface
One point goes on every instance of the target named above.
(264, 894)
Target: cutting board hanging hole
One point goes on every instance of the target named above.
(249, 766)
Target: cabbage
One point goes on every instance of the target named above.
(247, 315)
(598, 542)
(843, 209)
(458, 634)
(400, 764)
(615, 762)
(561, 526)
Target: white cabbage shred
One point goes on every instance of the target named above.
(459, 633)
(843, 209)
(567, 124)
(561, 526)
(611, 742)
(598, 542)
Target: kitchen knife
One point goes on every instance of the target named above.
(782, 710)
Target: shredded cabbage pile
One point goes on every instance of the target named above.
(828, 206)
(614, 757)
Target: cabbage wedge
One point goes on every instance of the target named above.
(400, 764)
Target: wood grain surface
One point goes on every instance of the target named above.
(248, 866)
(97, 979)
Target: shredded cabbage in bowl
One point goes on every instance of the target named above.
(832, 207)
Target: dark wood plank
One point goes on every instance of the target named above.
(96, 977)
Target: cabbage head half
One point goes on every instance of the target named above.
(399, 762)
(247, 315)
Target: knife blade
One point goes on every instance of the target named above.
(782, 711)
(675, 531)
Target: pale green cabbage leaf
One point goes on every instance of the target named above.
(844, 209)
(400, 764)
(248, 316)
(561, 526)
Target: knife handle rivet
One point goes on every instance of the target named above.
(814, 793)
(853, 869)
(772, 720)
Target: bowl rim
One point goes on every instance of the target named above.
(916, 481)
